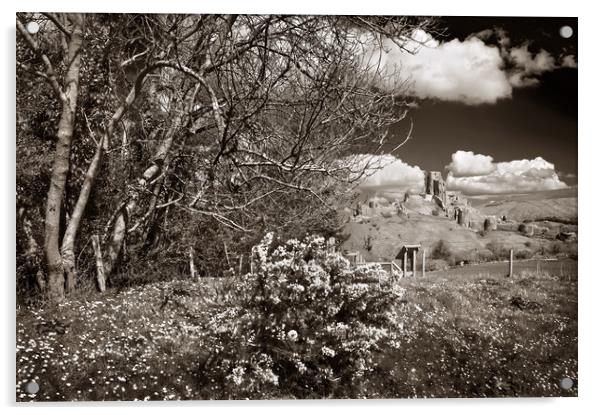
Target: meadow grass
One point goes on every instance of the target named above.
(483, 336)
(465, 336)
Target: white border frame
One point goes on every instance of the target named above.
(589, 64)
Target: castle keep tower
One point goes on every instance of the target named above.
(434, 184)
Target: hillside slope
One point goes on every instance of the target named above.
(380, 238)
(519, 210)
(377, 227)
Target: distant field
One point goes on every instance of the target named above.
(519, 210)
(563, 267)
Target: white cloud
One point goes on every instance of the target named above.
(532, 63)
(517, 176)
(467, 163)
(519, 80)
(567, 175)
(471, 173)
(468, 71)
(568, 61)
(528, 65)
(389, 172)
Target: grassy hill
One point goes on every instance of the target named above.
(379, 233)
(380, 238)
(553, 204)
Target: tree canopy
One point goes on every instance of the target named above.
(174, 136)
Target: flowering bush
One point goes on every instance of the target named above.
(304, 324)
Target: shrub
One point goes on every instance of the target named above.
(498, 250)
(488, 225)
(485, 255)
(555, 248)
(526, 229)
(436, 265)
(305, 324)
(441, 250)
(435, 212)
(523, 254)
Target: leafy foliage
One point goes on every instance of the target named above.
(214, 129)
(441, 250)
(305, 324)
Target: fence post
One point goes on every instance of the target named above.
(561, 270)
(510, 263)
(423, 261)
(405, 264)
(414, 263)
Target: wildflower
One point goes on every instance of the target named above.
(292, 335)
(237, 375)
(301, 367)
(327, 351)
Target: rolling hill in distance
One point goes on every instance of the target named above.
(532, 206)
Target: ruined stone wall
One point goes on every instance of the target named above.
(434, 185)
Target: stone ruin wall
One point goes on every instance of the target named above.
(454, 204)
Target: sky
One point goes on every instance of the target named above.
(496, 106)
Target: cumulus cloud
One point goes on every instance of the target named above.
(527, 65)
(389, 172)
(467, 163)
(569, 176)
(532, 63)
(481, 69)
(500, 35)
(517, 176)
(568, 61)
(468, 71)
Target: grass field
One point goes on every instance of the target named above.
(476, 335)
(560, 267)
(467, 335)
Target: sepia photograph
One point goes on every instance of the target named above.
(280, 206)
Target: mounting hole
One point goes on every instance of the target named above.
(566, 31)
(566, 383)
(32, 27)
(32, 387)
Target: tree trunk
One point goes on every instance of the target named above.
(32, 250)
(100, 268)
(55, 279)
(68, 246)
(193, 272)
(120, 225)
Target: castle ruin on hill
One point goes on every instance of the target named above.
(454, 204)
(436, 200)
(434, 184)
